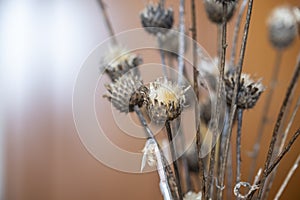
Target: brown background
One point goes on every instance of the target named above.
(42, 47)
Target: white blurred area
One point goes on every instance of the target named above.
(42, 45)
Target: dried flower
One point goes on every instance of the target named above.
(165, 101)
(193, 196)
(126, 92)
(156, 19)
(117, 61)
(214, 10)
(249, 91)
(282, 26)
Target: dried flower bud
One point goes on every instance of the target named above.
(126, 92)
(192, 196)
(282, 27)
(155, 19)
(165, 101)
(214, 10)
(117, 61)
(249, 91)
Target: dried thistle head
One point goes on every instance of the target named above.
(156, 19)
(166, 100)
(117, 61)
(214, 10)
(192, 196)
(283, 28)
(249, 91)
(126, 92)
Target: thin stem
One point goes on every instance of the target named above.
(287, 178)
(238, 146)
(107, 22)
(235, 95)
(236, 32)
(162, 57)
(264, 120)
(181, 42)
(278, 122)
(166, 168)
(281, 146)
(229, 175)
(196, 90)
(216, 116)
(173, 153)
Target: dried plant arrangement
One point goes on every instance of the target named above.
(222, 92)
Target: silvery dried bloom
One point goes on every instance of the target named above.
(282, 27)
(192, 196)
(126, 92)
(249, 91)
(156, 19)
(117, 61)
(166, 100)
(214, 10)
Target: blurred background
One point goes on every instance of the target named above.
(43, 44)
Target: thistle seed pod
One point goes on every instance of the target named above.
(156, 19)
(249, 91)
(282, 27)
(117, 61)
(126, 92)
(165, 101)
(214, 11)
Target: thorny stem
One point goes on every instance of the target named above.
(235, 95)
(167, 171)
(107, 22)
(216, 116)
(236, 32)
(265, 112)
(278, 122)
(238, 146)
(181, 42)
(175, 161)
(282, 142)
(196, 90)
(288, 177)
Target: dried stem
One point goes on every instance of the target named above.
(281, 145)
(167, 172)
(287, 178)
(216, 115)
(278, 122)
(181, 42)
(173, 153)
(196, 90)
(162, 57)
(107, 22)
(229, 175)
(235, 95)
(265, 112)
(236, 32)
(238, 146)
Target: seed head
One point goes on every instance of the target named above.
(126, 92)
(282, 27)
(249, 91)
(117, 61)
(214, 10)
(156, 19)
(166, 100)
